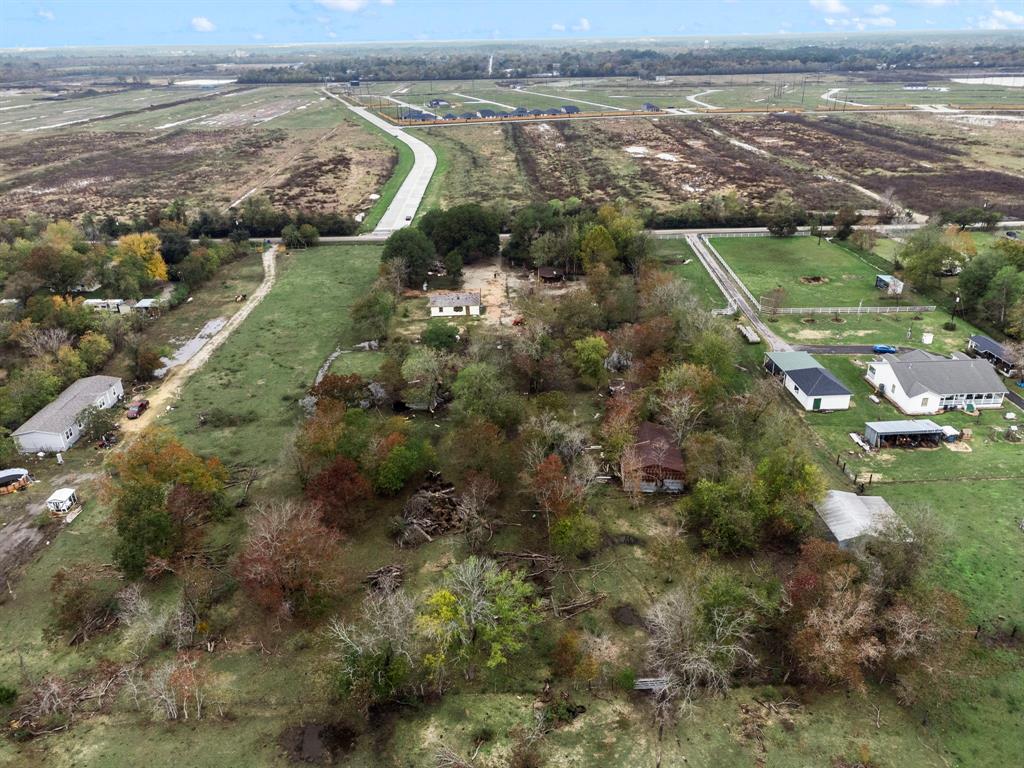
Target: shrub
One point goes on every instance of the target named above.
(400, 465)
(575, 535)
(8, 695)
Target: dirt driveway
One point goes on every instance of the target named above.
(164, 395)
(497, 285)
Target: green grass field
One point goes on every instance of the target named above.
(673, 253)
(792, 263)
(264, 369)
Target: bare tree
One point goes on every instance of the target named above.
(695, 652)
(681, 412)
(471, 506)
(43, 342)
(631, 473)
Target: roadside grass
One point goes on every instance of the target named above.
(765, 263)
(693, 274)
(262, 371)
(475, 163)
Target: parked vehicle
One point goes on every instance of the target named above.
(137, 408)
(884, 349)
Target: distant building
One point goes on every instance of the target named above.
(468, 116)
(536, 112)
(56, 426)
(919, 382)
(115, 306)
(450, 304)
(569, 109)
(550, 274)
(488, 113)
(553, 111)
(648, 107)
(434, 103)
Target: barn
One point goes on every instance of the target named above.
(56, 427)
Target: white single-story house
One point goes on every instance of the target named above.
(851, 518)
(56, 427)
(919, 382)
(810, 384)
(453, 303)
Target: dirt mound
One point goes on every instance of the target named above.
(627, 616)
(813, 280)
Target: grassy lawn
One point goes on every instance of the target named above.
(876, 329)
(975, 494)
(259, 375)
(765, 263)
(674, 252)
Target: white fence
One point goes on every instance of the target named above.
(849, 310)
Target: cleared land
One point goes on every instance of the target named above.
(301, 148)
(811, 272)
(661, 162)
(250, 389)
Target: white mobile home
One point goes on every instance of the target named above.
(919, 382)
(56, 427)
(453, 304)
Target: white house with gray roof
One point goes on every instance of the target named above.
(808, 381)
(919, 382)
(56, 427)
(454, 303)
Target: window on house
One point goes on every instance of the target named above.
(871, 370)
(457, 309)
(924, 402)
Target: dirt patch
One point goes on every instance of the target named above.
(813, 280)
(837, 320)
(318, 743)
(627, 616)
(959, 447)
(497, 286)
(808, 320)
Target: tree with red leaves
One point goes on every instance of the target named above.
(346, 389)
(555, 491)
(285, 560)
(337, 490)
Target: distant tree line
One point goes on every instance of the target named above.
(643, 63)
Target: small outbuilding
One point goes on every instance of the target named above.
(114, 306)
(851, 518)
(817, 389)
(780, 363)
(655, 463)
(889, 285)
(549, 274)
(455, 303)
(903, 433)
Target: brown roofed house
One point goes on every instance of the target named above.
(654, 463)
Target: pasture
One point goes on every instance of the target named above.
(810, 272)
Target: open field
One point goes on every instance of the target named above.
(672, 253)
(302, 149)
(258, 376)
(812, 272)
(593, 94)
(660, 162)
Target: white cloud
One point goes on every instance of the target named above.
(387, 2)
(349, 6)
(829, 6)
(933, 2)
(1009, 17)
(45, 14)
(558, 27)
(202, 24)
(583, 25)
(879, 10)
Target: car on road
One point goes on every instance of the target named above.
(1012, 235)
(137, 408)
(408, 218)
(884, 349)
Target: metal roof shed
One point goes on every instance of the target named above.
(783, 362)
(909, 431)
(850, 517)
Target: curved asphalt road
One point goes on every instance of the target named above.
(409, 196)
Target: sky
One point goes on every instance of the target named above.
(54, 23)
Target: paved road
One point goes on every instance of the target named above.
(407, 201)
